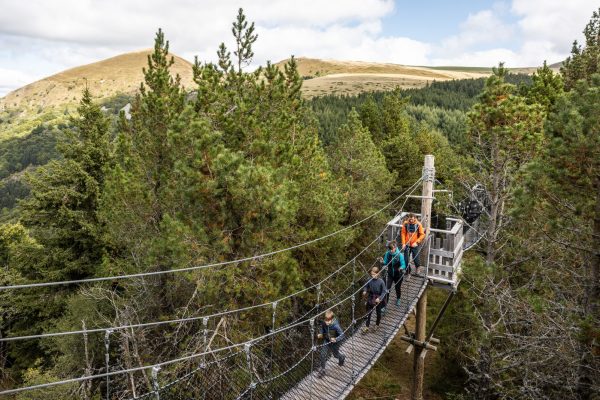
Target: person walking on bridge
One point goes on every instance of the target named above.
(375, 291)
(412, 237)
(332, 335)
(394, 260)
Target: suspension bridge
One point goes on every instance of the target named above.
(283, 361)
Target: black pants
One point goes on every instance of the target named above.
(396, 281)
(377, 308)
(335, 350)
(415, 254)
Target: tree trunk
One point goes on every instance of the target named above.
(495, 195)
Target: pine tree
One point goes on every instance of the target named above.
(564, 198)
(584, 62)
(360, 168)
(546, 88)
(62, 212)
(505, 133)
(244, 38)
(370, 115)
(138, 203)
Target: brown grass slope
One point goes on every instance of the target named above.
(352, 77)
(120, 74)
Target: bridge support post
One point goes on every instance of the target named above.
(155, 384)
(420, 331)
(107, 360)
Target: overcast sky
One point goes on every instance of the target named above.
(39, 38)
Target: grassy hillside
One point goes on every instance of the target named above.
(323, 77)
(54, 97)
(120, 74)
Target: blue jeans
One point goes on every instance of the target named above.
(415, 254)
(335, 350)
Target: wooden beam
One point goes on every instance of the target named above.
(418, 343)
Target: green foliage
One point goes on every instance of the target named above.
(441, 104)
(543, 279)
(244, 166)
(584, 62)
(35, 149)
(61, 218)
(360, 169)
(546, 88)
(505, 133)
(62, 211)
(451, 123)
(38, 375)
(244, 38)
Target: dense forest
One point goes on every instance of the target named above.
(243, 165)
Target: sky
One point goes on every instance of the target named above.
(39, 38)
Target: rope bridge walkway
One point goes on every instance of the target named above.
(287, 364)
(362, 351)
(228, 357)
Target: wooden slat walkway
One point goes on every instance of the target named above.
(361, 350)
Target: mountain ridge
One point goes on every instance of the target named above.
(105, 78)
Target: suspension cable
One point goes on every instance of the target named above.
(188, 319)
(175, 360)
(199, 267)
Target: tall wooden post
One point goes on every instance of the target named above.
(419, 362)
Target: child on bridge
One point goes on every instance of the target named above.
(375, 292)
(332, 335)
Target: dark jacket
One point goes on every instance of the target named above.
(334, 330)
(375, 288)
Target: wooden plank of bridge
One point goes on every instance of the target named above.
(362, 351)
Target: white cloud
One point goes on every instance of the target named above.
(10, 78)
(483, 27)
(556, 22)
(341, 42)
(66, 33)
(40, 37)
(539, 30)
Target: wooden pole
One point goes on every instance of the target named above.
(419, 361)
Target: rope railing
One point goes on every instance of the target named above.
(256, 386)
(274, 374)
(197, 318)
(172, 361)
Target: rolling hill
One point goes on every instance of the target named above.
(120, 74)
(352, 77)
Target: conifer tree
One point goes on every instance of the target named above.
(360, 168)
(62, 212)
(584, 62)
(265, 123)
(563, 196)
(138, 203)
(505, 133)
(370, 115)
(64, 235)
(546, 88)
(159, 103)
(244, 38)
